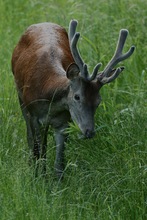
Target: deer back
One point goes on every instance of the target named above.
(40, 60)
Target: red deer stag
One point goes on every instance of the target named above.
(54, 85)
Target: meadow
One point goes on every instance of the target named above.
(105, 177)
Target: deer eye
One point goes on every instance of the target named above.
(77, 97)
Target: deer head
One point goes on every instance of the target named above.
(84, 95)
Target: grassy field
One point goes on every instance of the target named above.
(106, 177)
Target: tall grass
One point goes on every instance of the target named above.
(105, 177)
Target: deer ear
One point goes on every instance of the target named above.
(72, 71)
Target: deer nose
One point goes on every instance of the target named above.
(89, 133)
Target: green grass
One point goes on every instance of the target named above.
(106, 177)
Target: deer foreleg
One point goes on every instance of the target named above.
(60, 138)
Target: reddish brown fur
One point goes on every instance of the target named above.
(40, 60)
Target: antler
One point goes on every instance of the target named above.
(73, 39)
(109, 74)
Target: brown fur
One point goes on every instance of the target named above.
(40, 60)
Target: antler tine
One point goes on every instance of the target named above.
(73, 39)
(108, 74)
(95, 71)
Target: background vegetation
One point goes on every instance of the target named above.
(106, 177)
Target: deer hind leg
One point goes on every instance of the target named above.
(26, 116)
(44, 133)
(39, 146)
(37, 140)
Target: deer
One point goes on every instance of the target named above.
(55, 87)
